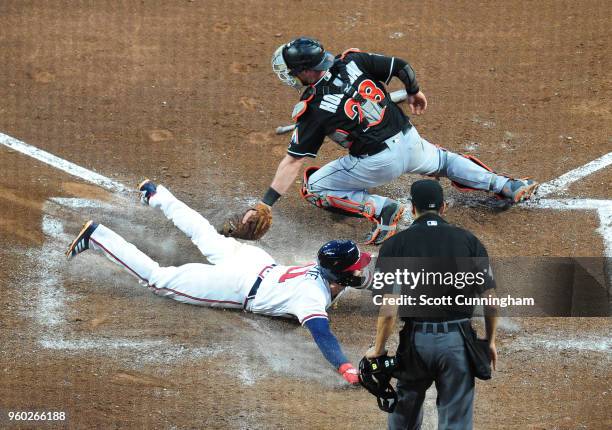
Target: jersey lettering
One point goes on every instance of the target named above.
(330, 102)
(369, 122)
(353, 71)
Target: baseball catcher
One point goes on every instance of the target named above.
(240, 276)
(345, 98)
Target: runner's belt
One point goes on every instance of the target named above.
(256, 284)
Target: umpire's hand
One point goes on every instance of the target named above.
(493, 352)
(374, 353)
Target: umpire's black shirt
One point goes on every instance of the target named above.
(453, 266)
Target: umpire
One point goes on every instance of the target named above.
(437, 342)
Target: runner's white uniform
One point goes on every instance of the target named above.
(227, 281)
(299, 291)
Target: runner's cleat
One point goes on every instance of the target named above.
(81, 243)
(147, 190)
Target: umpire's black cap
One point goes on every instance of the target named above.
(427, 195)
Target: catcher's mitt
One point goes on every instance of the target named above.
(257, 225)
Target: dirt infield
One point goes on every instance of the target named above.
(182, 92)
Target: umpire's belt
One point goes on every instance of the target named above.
(256, 284)
(439, 327)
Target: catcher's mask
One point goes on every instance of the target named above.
(375, 376)
(341, 262)
(280, 68)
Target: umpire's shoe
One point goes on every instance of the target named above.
(518, 190)
(386, 222)
(147, 190)
(81, 243)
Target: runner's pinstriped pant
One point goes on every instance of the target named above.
(225, 283)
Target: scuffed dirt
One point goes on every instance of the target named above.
(182, 92)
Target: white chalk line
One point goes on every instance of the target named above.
(51, 301)
(605, 229)
(602, 207)
(564, 181)
(571, 204)
(604, 212)
(61, 164)
(591, 342)
(156, 350)
(51, 228)
(51, 297)
(51, 310)
(78, 203)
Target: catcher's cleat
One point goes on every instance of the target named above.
(147, 190)
(518, 190)
(81, 243)
(386, 223)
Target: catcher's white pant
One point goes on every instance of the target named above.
(348, 177)
(225, 283)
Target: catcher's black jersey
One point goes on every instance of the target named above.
(358, 125)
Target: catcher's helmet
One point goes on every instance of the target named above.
(339, 259)
(306, 54)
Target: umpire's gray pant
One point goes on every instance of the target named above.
(445, 356)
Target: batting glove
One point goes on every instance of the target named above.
(349, 373)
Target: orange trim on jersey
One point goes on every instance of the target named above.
(348, 51)
(301, 112)
(295, 117)
(311, 95)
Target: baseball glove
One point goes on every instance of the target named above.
(257, 225)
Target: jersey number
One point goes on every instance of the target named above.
(368, 91)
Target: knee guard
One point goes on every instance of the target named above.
(334, 204)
